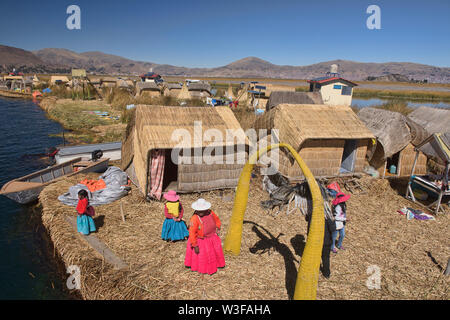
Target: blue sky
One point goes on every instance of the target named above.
(198, 33)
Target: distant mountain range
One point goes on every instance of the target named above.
(52, 60)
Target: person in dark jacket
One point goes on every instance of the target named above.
(330, 227)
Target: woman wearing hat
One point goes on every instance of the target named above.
(340, 216)
(204, 248)
(174, 228)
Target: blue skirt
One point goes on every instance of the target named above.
(174, 230)
(85, 224)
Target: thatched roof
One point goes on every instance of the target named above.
(437, 146)
(172, 86)
(147, 86)
(109, 79)
(154, 126)
(433, 120)
(390, 128)
(199, 86)
(121, 83)
(289, 97)
(298, 123)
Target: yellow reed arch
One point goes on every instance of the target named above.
(308, 272)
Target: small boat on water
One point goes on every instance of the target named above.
(16, 94)
(27, 188)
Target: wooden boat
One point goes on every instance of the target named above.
(112, 150)
(27, 188)
(16, 94)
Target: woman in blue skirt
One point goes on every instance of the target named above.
(174, 228)
(85, 223)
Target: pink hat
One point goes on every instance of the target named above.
(171, 196)
(340, 197)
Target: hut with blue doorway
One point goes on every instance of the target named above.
(334, 89)
(332, 140)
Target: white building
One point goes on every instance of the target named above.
(334, 89)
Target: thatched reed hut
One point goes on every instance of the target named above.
(199, 90)
(396, 138)
(172, 89)
(432, 120)
(109, 82)
(124, 84)
(331, 139)
(148, 89)
(174, 138)
(292, 97)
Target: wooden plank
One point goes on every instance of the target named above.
(99, 246)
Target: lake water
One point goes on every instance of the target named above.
(27, 269)
(376, 102)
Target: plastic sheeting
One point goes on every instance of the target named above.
(116, 181)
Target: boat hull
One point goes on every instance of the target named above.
(25, 196)
(30, 195)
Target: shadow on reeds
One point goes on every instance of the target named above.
(434, 261)
(268, 241)
(99, 221)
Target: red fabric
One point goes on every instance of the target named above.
(334, 186)
(169, 216)
(82, 206)
(157, 173)
(196, 229)
(209, 258)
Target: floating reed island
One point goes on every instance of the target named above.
(411, 254)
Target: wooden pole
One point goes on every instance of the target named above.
(121, 211)
(408, 189)
(444, 185)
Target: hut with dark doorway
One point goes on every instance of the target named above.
(292, 97)
(332, 140)
(393, 154)
(172, 89)
(187, 149)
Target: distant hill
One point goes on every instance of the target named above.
(94, 61)
(52, 59)
(25, 61)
